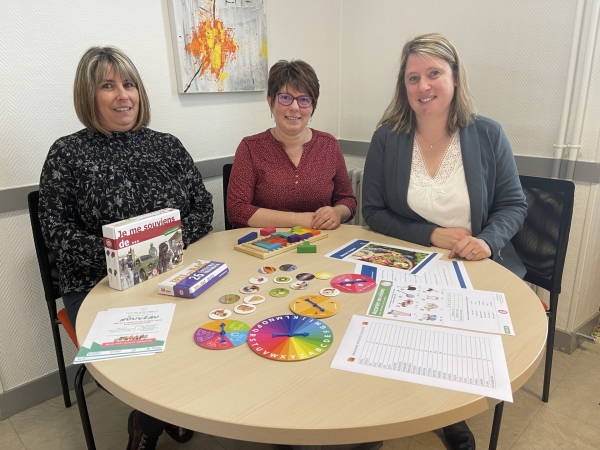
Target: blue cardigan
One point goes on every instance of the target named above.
(498, 206)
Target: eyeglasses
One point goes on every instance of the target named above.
(304, 101)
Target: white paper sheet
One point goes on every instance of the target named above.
(376, 254)
(439, 273)
(443, 306)
(460, 360)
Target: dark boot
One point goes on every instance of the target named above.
(137, 439)
(179, 434)
(459, 437)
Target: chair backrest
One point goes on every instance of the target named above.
(542, 243)
(226, 175)
(46, 257)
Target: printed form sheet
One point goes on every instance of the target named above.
(460, 360)
(440, 273)
(443, 306)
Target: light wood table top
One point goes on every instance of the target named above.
(237, 394)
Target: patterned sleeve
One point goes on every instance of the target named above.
(78, 251)
(342, 190)
(197, 222)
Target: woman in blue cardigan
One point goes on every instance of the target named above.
(437, 174)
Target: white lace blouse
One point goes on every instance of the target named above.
(443, 199)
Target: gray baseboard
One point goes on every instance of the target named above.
(568, 342)
(35, 392)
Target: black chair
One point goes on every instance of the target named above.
(542, 246)
(226, 175)
(49, 272)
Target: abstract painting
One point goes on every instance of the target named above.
(219, 45)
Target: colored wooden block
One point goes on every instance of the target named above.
(306, 247)
(269, 247)
(305, 236)
(297, 229)
(267, 231)
(282, 241)
(248, 237)
(294, 238)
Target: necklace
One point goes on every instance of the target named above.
(436, 142)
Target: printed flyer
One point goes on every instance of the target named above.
(442, 305)
(415, 262)
(130, 331)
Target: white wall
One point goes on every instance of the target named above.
(516, 53)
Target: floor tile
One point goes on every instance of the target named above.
(233, 444)
(198, 441)
(9, 440)
(578, 393)
(405, 443)
(433, 440)
(561, 363)
(550, 430)
(589, 349)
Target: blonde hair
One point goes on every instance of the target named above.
(399, 115)
(91, 71)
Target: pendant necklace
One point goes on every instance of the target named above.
(436, 142)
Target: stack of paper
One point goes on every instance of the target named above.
(126, 332)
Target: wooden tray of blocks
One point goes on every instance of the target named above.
(272, 243)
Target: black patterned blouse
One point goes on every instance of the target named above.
(91, 179)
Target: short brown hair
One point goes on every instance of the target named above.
(296, 74)
(90, 73)
(399, 116)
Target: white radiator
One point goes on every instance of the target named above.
(356, 178)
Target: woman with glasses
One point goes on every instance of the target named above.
(290, 174)
(438, 174)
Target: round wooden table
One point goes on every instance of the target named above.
(237, 394)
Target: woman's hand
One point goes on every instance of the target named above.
(471, 249)
(448, 237)
(326, 218)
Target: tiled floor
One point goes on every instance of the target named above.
(569, 421)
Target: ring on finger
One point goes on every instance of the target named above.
(473, 252)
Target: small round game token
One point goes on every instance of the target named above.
(252, 289)
(217, 314)
(244, 309)
(330, 292)
(315, 306)
(282, 280)
(324, 275)
(353, 282)
(287, 267)
(229, 298)
(221, 334)
(304, 276)
(278, 292)
(254, 299)
(258, 280)
(299, 285)
(267, 269)
(290, 338)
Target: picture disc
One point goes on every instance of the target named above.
(244, 309)
(217, 314)
(282, 280)
(290, 338)
(221, 334)
(252, 289)
(299, 285)
(267, 269)
(329, 292)
(229, 298)
(353, 283)
(304, 276)
(278, 292)
(287, 267)
(324, 275)
(258, 280)
(254, 299)
(315, 306)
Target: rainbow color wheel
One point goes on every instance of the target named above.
(221, 334)
(290, 338)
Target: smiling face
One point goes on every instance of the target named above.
(290, 120)
(430, 86)
(117, 102)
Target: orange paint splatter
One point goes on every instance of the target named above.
(213, 46)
